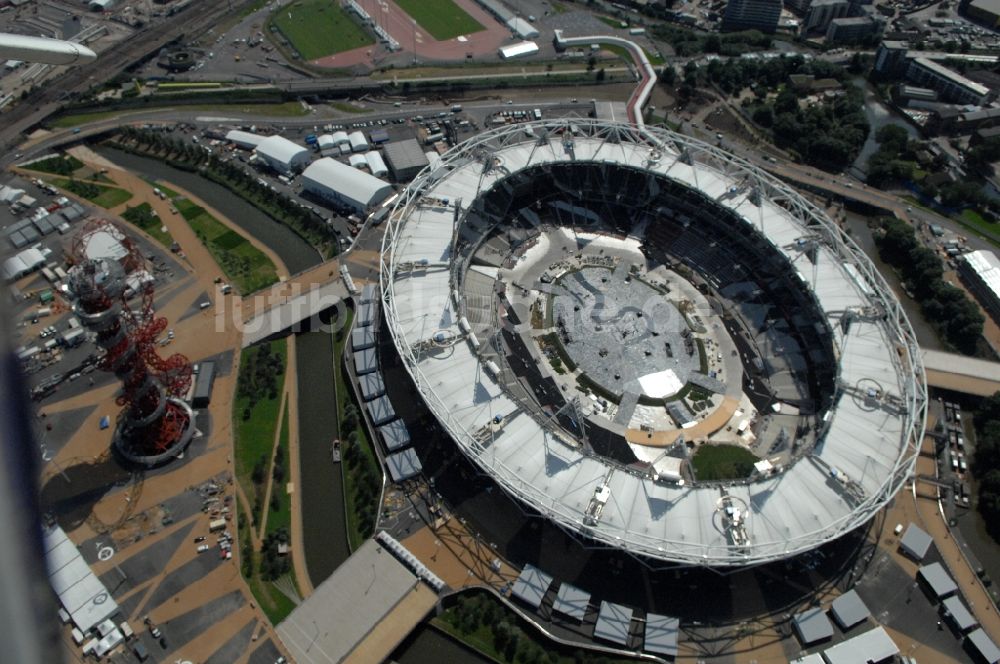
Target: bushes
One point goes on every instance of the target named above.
(259, 372)
(947, 308)
(366, 479)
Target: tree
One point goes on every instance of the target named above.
(601, 75)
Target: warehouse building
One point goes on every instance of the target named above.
(244, 139)
(980, 270)
(331, 181)
(950, 85)
(358, 141)
(405, 159)
(282, 155)
(375, 164)
(203, 384)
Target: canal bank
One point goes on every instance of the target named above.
(294, 252)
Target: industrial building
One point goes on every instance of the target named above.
(244, 139)
(203, 385)
(518, 50)
(986, 12)
(337, 183)
(980, 271)
(760, 15)
(282, 155)
(405, 159)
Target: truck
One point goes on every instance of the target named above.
(216, 525)
(311, 139)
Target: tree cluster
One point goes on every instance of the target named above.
(956, 318)
(142, 216)
(511, 643)
(86, 190)
(239, 180)
(980, 158)
(826, 134)
(367, 479)
(259, 371)
(986, 462)
(690, 42)
(273, 564)
(894, 159)
(734, 75)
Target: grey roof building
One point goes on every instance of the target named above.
(531, 586)
(403, 465)
(848, 610)
(613, 623)
(661, 634)
(915, 542)
(571, 602)
(405, 159)
(812, 626)
(938, 580)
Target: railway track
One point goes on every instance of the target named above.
(42, 103)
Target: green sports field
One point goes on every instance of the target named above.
(317, 28)
(443, 19)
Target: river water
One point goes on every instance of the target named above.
(324, 530)
(294, 252)
(862, 236)
(878, 115)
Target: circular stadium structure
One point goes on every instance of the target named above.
(594, 312)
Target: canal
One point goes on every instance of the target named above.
(862, 236)
(294, 252)
(878, 115)
(324, 528)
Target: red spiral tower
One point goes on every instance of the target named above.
(113, 298)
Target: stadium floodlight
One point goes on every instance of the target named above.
(44, 50)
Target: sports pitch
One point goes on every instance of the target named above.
(318, 28)
(443, 19)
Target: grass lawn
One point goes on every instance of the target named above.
(272, 601)
(253, 437)
(282, 110)
(722, 462)
(77, 119)
(64, 165)
(106, 197)
(973, 219)
(246, 266)
(443, 19)
(143, 217)
(281, 518)
(317, 28)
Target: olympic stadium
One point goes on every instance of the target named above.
(586, 307)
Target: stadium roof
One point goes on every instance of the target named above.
(366, 314)
(812, 626)
(986, 265)
(960, 615)
(80, 592)
(915, 542)
(381, 411)
(872, 646)
(613, 623)
(371, 385)
(661, 634)
(940, 583)
(848, 609)
(350, 182)
(531, 585)
(984, 645)
(280, 149)
(871, 450)
(403, 465)
(395, 435)
(571, 601)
